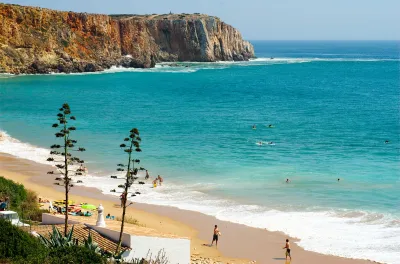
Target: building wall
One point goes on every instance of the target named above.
(112, 235)
(177, 251)
(48, 219)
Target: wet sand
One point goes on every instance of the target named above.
(238, 243)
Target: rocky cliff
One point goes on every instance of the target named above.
(37, 40)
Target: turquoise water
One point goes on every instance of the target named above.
(332, 105)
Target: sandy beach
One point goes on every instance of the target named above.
(238, 244)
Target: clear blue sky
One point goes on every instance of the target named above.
(265, 19)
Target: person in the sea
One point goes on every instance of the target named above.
(160, 179)
(155, 182)
(287, 247)
(287, 180)
(254, 126)
(269, 125)
(147, 175)
(387, 141)
(83, 170)
(338, 179)
(215, 236)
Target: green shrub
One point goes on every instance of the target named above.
(18, 245)
(14, 191)
(74, 254)
(30, 209)
(23, 201)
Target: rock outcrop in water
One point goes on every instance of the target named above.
(38, 40)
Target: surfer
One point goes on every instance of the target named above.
(270, 126)
(270, 143)
(287, 247)
(260, 143)
(387, 141)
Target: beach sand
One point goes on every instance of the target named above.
(238, 243)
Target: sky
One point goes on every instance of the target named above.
(264, 19)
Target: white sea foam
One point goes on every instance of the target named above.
(346, 233)
(190, 67)
(22, 150)
(6, 75)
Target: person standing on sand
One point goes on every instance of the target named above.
(287, 246)
(215, 236)
(147, 175)
(122, 197)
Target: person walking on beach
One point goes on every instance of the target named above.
(122, 197)
(287, 246)
(147, 175)
(215, 236)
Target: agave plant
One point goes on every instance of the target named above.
(114, 258)
(91, 245)
(57, 240)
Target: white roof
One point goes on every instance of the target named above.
(7, 212)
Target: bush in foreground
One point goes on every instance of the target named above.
(18, 246)
(74, 254)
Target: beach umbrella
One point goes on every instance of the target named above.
(88, 206)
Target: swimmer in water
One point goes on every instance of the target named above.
(338, 179)
(387, 141)
(270, 125)
(270, 143)
(260, 143)
(254, 127)
(287, 180)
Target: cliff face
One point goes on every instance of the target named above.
(36, 40)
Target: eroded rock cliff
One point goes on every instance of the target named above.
(37, 40)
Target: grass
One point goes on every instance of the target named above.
(130, 220)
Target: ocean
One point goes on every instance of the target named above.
(331, 106)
